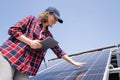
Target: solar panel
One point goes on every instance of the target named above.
(62, 70)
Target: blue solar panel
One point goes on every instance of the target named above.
(61, 70)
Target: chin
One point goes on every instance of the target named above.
(50, 25)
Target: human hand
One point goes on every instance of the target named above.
(79, 64)
(35, 44)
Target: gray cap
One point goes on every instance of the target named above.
(55, 12)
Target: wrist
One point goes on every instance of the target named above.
(73, 62)
(28, 42)
(68, 59)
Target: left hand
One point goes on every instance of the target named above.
(79, 64)
(68, 59)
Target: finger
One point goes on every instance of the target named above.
(85, 63)
(38, 41)
(38, 44)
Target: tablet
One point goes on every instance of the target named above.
(47, 43)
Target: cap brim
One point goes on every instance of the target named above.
(59, 19)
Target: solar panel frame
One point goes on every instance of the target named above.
(118, 59)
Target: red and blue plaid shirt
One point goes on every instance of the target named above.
(19, 54)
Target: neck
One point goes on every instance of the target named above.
(44, 26)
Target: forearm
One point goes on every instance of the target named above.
(24, 39)
(68, 59)
(34, 44)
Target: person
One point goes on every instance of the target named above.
(18, 57)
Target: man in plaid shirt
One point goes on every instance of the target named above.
(18, 56)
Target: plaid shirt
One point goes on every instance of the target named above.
(19, 54)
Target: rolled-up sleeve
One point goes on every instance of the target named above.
(19, 27)
(58, 51)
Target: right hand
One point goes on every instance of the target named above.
(35, 44)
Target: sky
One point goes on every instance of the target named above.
(88, 24)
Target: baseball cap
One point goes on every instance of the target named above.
(55, 12)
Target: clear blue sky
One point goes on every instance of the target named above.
(88, 24)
